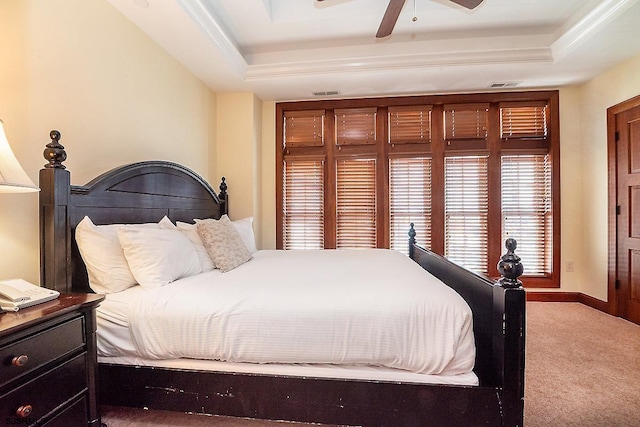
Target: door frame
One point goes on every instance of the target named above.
(612, 112)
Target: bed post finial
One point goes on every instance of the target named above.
(510, 266)
(223, 186)
(412, 240)
(54, 152)
(412, 234)
(223, 196)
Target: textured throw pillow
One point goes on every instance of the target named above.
(102, 254)
(158, 256)
(223, 243)
(191, 232)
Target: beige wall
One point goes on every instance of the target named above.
(239, 132)
(268, 175)
(572, 218)
(81, 67)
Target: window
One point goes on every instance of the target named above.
(356, 203)
(466, 211)
(409, 201)
(303, 204)
(304, 128)
(355, 126)
(410, 124)
(526, 209)
(523, 121)
(467, 170)
(466, 121)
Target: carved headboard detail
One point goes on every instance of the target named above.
(136, 193)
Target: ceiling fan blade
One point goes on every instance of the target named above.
(390, 17)
(469, 4)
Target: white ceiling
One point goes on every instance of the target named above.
(289, 49)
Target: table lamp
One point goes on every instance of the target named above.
(13, 179)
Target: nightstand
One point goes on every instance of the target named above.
(49, 363)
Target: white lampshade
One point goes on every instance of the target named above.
(13, 179)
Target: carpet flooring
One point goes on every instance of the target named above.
(582, 369)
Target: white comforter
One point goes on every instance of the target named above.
(373, 307)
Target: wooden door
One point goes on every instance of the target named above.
(628, 218)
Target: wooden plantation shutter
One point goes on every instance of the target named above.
(466, 211)
(304, 128)
(303, 204)
(526, 209)
(410, 124)
(355, 126)
(356, 203)
(466, 121)
(518, 120)
(409, 201)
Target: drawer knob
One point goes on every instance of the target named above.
(20, 361)
(24, 411)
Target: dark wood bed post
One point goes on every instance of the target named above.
(513, 297)
(54, 199)
(500, 335)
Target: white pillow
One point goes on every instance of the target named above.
(191, 232)
(244, 227)
(158, 256)
(223, 243)
(103, 256)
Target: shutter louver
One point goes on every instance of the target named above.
(356, 203)
(303, 204)
(526, 209)
(466, 121)
(518, 121)
(304, 128)
(355, 126)
(410, 125)
(409, 201)
(466, 211)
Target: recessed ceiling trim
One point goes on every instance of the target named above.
(206, 19)
(594, 21)
(409, 61)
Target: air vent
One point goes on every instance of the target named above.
(504, 84)
(326, 93)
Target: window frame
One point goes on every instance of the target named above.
(437, 148)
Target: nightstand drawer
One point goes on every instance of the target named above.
(40, 396)
(37, 350)
(75, 415)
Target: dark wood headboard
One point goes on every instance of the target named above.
(131, 194)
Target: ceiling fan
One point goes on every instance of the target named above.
(395, 6)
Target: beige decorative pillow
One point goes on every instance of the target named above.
(223, 243)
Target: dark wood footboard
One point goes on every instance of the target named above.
(498, 322)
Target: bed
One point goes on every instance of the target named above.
(356, 394)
